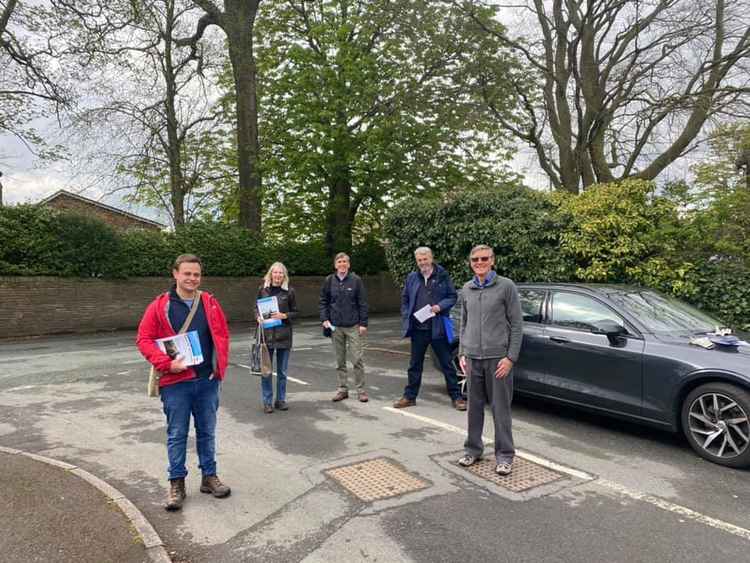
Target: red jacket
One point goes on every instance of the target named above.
(155, 324)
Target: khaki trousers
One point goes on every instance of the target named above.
(348, 337)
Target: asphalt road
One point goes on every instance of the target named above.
(623, 493)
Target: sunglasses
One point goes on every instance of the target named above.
(480, 258)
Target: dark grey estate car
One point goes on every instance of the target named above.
(626, 351)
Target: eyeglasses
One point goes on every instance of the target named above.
(480, 258)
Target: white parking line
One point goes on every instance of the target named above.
(525, 455)
(743, 533)
(294, 379)
(616, 487)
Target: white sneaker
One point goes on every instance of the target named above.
(504, 468)
(467, 460)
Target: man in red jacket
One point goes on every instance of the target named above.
(188, 389)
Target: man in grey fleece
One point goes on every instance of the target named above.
(491, 331)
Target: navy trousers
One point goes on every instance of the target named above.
(420, 341)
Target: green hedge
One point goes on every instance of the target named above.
(41, 241)
(521, 224)
(618, 233)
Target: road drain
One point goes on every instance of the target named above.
(376, 479)
(526, 474)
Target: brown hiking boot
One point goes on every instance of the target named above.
(340, 396)
(459, 404)
(176, 494)
(212, 484)
(403, 402)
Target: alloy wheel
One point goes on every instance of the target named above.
(719, 425)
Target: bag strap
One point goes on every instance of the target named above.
(262, 333)
(191, 314)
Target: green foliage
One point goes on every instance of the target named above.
(368, 257)
(147, 253)
(522, 226)
(27, 240)
(87, 247)
(723, 169)
(724, 288)
(624, 232)
(615, 233)
(226, 250)
(40, 241)
(301, 258)
(362, 107)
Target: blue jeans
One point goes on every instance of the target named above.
(266, 383)
(420, 340)
(199, 397)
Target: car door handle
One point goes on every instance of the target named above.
(560, 339)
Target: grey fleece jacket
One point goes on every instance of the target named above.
(491, 323)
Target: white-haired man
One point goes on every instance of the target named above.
(430, 286)
(490, 336)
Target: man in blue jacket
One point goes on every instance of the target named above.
(428, 290)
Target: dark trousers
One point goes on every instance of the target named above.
(420, 340)
(485, 388)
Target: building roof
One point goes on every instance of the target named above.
(65, 193)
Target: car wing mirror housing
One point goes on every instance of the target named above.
(612, 330)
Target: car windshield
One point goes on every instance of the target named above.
(660, 313)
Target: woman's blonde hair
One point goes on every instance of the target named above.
(267, 277)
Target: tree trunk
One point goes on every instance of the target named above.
(174, 148)
(238, 25)
(338, 220)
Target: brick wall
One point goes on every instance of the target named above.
(31, 306)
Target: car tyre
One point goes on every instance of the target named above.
(716, 422)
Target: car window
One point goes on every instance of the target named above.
(662, 314)
(573, 310)
(531, 304)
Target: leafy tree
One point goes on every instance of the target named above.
(727, 165)
(624, 88)
(366, 102)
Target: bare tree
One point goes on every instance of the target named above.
(237, 20)
(625, 87)
(28, 89)
(151, 101)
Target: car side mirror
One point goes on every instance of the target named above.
(612, 330)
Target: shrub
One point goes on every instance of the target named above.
(724, 288)
(28, 243)
(147, 253)
(86, 247)
(301, 258)
(226, 250)
(522, 226)
(368, 257)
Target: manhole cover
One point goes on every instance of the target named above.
(526, 474)
(376, 479)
